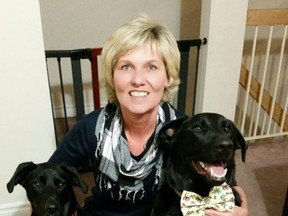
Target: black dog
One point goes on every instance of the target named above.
(49, 188)
(198, 154)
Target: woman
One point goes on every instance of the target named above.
(141, 64)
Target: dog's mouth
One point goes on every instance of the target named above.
(215, 171)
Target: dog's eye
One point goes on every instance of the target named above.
(37, 185)
(227, 128)
(61, 185)
(197, 129)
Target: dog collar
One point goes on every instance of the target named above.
(178, 193)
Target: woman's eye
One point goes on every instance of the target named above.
(152, 67)
(126, 67)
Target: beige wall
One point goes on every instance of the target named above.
(264, 4)
(223, 23)
(70, 24)
(26, 125)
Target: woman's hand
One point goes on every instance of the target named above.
(238, 211)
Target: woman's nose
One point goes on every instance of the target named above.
(138, 77)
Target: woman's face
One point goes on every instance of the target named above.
(139, 80)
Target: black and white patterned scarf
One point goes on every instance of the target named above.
(116, 161)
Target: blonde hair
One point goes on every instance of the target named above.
(139, 31)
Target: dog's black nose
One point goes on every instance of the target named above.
(51, 207)
(225, 145)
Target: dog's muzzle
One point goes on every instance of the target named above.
(214, 172)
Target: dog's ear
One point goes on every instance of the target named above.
(166, 135)
(168, 131)
(75, 177)
(20, 175)
(241, 143)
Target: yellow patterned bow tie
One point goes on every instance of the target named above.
(220, 198)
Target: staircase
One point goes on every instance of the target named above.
(263, 91)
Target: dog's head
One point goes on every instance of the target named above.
(49, 187)
(203, 145)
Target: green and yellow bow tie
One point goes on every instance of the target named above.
(220, 198)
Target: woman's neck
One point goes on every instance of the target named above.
(138, 129)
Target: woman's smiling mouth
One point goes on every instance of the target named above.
(138, 93)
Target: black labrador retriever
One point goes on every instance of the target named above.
(198, 154)
(49, 188)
